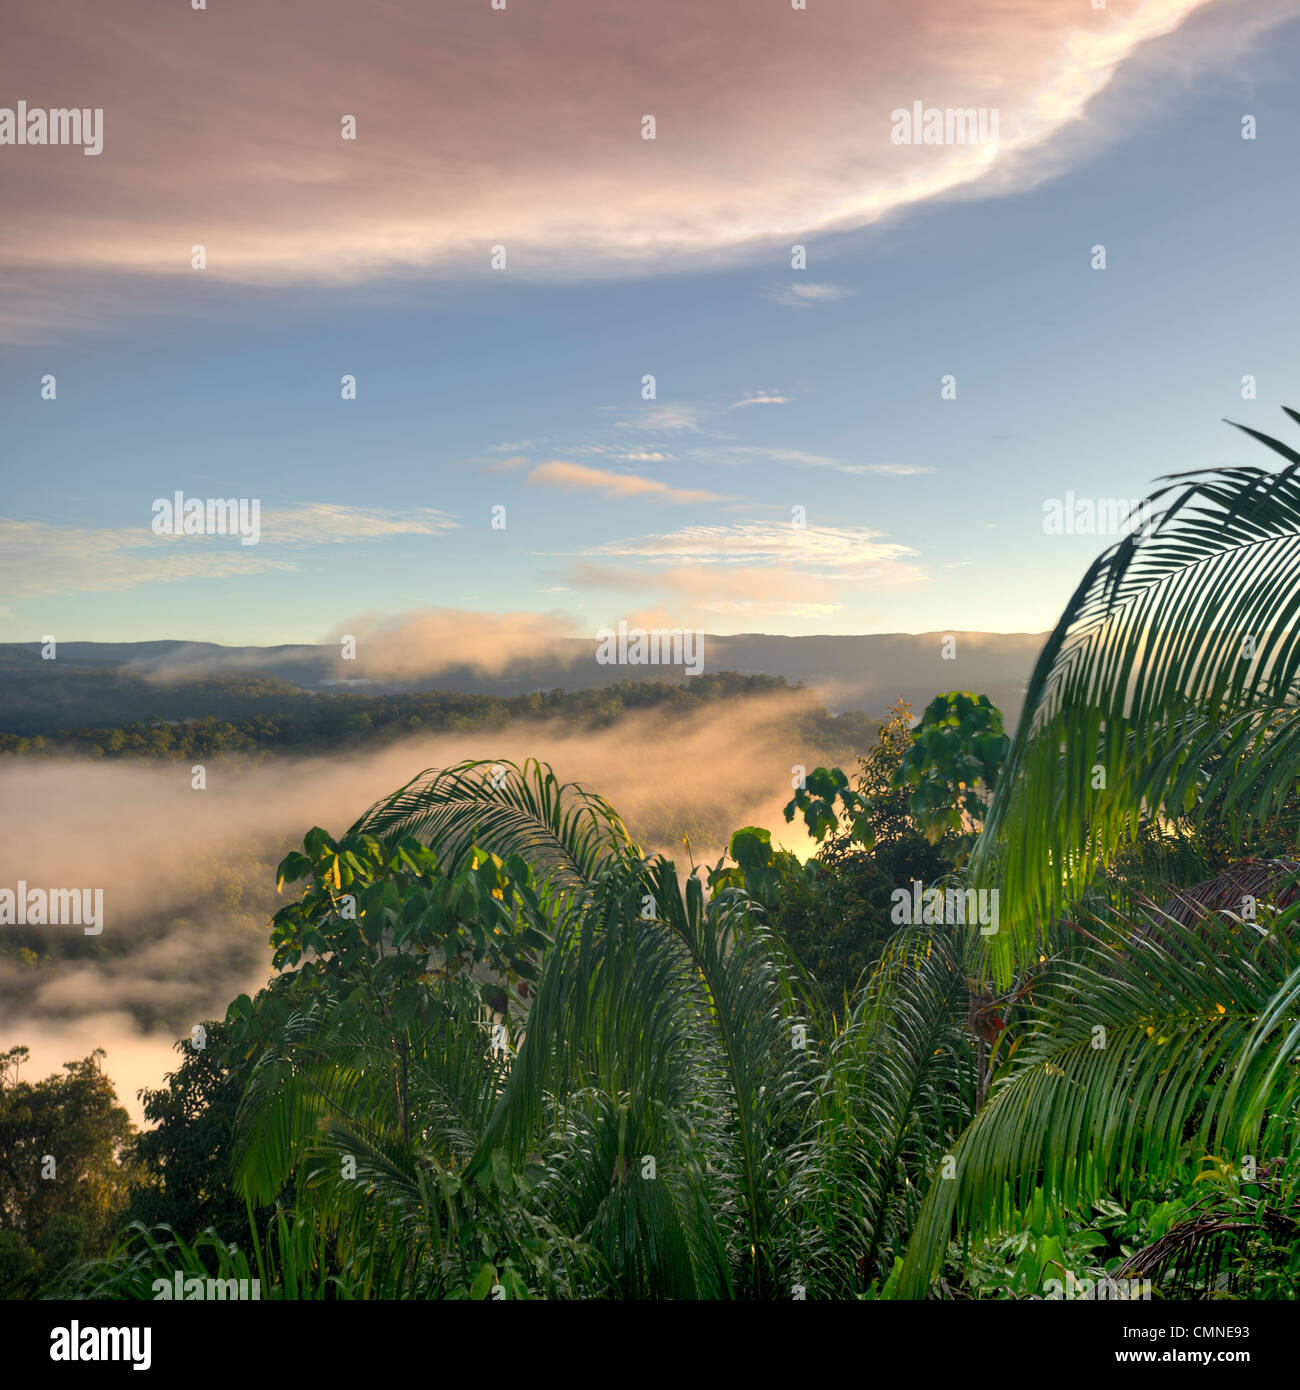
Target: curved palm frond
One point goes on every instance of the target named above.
(291, 1260)
(385, 1176)
(898, 1089)
(1240, 1238)
(1171, 673)
(668, 1008)
(1155, 1042)
(606, 1076)
(918, 1067)
(330, 1074)
(651, 1229)
(564, 831)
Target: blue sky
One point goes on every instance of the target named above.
(922, 513)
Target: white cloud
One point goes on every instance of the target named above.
(852, 552)
(665, 417)
(572, 192)
(689, 419)
(318, 523)
(577, 477)
(803, 294)
(733, 454)
(38, 558)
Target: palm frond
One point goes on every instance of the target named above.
(564, 831)
(670, 1009)
(1154, 1043)
(898, 1088)
(1171, 661)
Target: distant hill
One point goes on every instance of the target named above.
(870, 672)
(99, 684)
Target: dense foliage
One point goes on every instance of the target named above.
(290, 720)
(506, 1054)
(63, 1181)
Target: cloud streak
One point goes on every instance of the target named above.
(574, 477)
(804, 294)
(845, 550)
(749, 570)
(39, 559)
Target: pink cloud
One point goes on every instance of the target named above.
(520, 128)
(574, 476)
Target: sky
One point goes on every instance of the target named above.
(800, 468)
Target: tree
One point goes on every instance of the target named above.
(675, 1121)
(19, 1264)
(950, 767)
(835, 915)
(1167, 685)
(64, 1172)
(184, 1159)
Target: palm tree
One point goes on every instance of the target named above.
(1170, 674)
(669, 1119)
(1166, 693)
(677, 1123)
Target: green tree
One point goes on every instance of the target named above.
(63, 1154)
(1100, 1080)
(19, 1264)
(183, 1160)
(835, 915)
(660, 1131)
(1167, 685)
(950, 767)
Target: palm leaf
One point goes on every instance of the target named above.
(1172, 670)
(1157, 1039)
(898, 1089)
(668, 1013)
(564, 831)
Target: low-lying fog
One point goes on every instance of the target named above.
(188, 875)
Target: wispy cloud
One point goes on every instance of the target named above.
(320, 523)
(663, 417)
(852, 552)
(758, 591)
(410, 645)
(506, 465)
(803, 294)
(732, 455)
(749, 570)
(39, 558)
(700, 444)
(574, 476)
